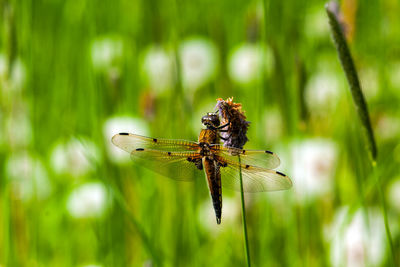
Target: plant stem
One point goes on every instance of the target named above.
(246, 239)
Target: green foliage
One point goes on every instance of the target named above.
(72, 73)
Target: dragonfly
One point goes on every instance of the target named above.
(180, 159)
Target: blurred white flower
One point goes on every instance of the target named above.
(159, 68)
(28, 176)
(322, 92)
(107, 52)
(247, 61)
(18, 129)
(76, 157)
(18, 74)
(314, 163)
(121, 124)
(359, 243)
(388, 127)
(230, 212)
(199, 62)
(393, 195)
(89, 200)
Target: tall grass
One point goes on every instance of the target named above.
(148, 219)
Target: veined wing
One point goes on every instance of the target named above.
(130, 142)
(255, 179)
(261, 158)
(176, 165)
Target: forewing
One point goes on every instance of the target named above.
(130, 142)
(174, 165)
(255, 179)
(261, 158)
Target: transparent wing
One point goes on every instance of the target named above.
(261, 158)
(255, 179)
(175, 165)
(130, 142)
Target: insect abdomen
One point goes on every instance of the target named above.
(214, 183)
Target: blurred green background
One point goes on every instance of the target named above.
(73, 73)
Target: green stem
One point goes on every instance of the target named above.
(246, 239)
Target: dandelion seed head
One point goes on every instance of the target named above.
(28, 176)
(89, 200)
(199, 62)
(314, 164)
(358, 242)
(106, 52)
(76, 157)
(159, 68)
(246, 63)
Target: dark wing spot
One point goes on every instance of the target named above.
(247, 166)
(243, 151)
(281, 174)
(269, 152)
(169, 153)
(155, 140)
(139, 149)
(123, 134)
(225, 164)
(189, 159)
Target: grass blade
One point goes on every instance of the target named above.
(351, 75)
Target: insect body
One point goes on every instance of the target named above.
(179, 159)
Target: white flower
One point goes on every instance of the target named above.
(198, 61)
(393, 195)
(247, 61)
(121, 124)
(314, 163)
(388, 127)
(28, 176)
(88, 201)
(359, 243)
(159, 68)
(107, 52)
(18, 74)
(76, 157)
(19, 129)
(322, 92)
